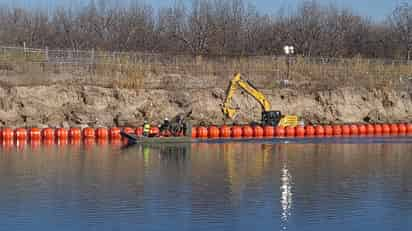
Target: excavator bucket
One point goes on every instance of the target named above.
(229, 112)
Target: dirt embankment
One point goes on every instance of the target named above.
(64, 106)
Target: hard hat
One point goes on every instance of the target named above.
(166, 118)
(145, 121)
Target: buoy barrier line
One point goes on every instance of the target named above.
(213, 132)
(33, 144)
(345, 130)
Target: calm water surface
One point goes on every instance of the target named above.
(207, 187)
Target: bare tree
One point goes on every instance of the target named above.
(211, 27)
(401, 22)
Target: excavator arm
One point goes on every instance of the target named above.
(236, 82)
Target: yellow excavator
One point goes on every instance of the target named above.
(269, 117)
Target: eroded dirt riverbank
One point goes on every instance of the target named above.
(63, 106)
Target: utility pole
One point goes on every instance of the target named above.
(289, 50)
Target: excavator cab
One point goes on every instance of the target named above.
(271, 118)
(275, 118)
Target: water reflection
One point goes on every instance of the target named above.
(177, 152)
(206, 186)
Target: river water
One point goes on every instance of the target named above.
(227, 186)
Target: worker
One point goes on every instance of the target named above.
(165, 125)
(146, 129)
(179, 119)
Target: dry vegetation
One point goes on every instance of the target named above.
(137, 70)
(203, 40)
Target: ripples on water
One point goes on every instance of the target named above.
(247, 186)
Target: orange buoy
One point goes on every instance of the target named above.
(128, 130)
(402, 129)
(328, 130)
(48, 134)
(75, 133)
(280, 131)
(409, 128)
(102, 133)
(213, 132)
(290, 131)
(139, 131)
(225, 131)
(34, 134)
(61, 133)
(345, 130)
(362, 129)
(7, 144)
(7, 134)
(337, 130)
(154, 131)
(114, 133)
(194, 132)
(258, 132)
(394, 129)
(354, 131)
(386, 129)
(247, 131)
(237, 132)
(202, 132)
(370, 129)
(268, 131)
(300, 131)
(88, 133)
(310, 131)
(20, 133)
(319, 130)
(165, 133)
(378, 129)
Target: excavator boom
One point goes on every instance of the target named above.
(236, 82)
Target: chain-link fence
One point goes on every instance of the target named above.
(151, 70)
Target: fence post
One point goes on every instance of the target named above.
(46, 51)
(92, 62)
(46, 59)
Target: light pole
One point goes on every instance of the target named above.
(289, 50)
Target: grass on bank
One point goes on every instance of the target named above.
(133, 70)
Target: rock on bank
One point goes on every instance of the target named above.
(64, 106)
